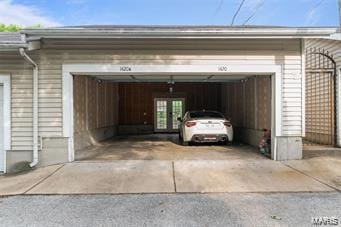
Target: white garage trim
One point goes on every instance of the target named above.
(5, 80)
(107, 69)
(338, 106)
(303, 62)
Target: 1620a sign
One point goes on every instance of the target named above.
(125, 69)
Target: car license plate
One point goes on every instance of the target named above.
(210, 138)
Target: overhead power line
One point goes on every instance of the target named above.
(219, 7)
(235, 15)
(317, 5)
(254, 12)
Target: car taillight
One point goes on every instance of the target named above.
(227, 124)
(190, 124)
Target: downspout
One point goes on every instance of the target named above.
(35, 106)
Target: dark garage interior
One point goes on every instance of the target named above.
(136, 103)
(131, 109)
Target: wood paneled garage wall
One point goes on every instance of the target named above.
(136, 100)
(95, 110)
(248, 104)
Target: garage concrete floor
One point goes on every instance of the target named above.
(164, 147)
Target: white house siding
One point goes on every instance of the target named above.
(54, 53)
(255, 52)
(332, 46)
(334, 49)
(21, 78)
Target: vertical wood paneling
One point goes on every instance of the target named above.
(240, 103)
(137, 99)
(263, 102)
(79, 94)
(249, 104)
(92, 104)
(95, 104)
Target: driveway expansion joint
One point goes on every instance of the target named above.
(42, 180)
(314, 178)
(174, 179)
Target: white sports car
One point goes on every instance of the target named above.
(205, 126)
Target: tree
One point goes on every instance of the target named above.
(15, 28)
(9, 28)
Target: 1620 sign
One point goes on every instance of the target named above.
(222, 68)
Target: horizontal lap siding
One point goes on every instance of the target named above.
(50, 60)
(292, 99)
(50, 97)
(21, 99)
(332, 46)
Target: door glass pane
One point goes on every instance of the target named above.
(176, 112)
(161, 114)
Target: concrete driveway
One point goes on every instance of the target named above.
(317, 174)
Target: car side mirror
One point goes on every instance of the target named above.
(179, 119)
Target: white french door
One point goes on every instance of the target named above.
(166, 114)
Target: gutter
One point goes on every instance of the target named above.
(176, 33)
(35, 106)
(12, 46)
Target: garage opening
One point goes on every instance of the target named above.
(137, 116)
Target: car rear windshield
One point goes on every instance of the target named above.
(205, 114)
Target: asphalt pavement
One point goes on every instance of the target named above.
(182, 209)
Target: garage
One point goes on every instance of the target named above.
(104, 86)
(122, 117)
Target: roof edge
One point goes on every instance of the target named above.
(179, 32)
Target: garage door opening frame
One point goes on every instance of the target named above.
(68, 70)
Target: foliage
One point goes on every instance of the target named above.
(9, 28)
(15, 28)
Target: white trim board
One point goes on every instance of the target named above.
(338, 106)
(223, 70)
(5, 80)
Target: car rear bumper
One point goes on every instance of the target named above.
(205, 138)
